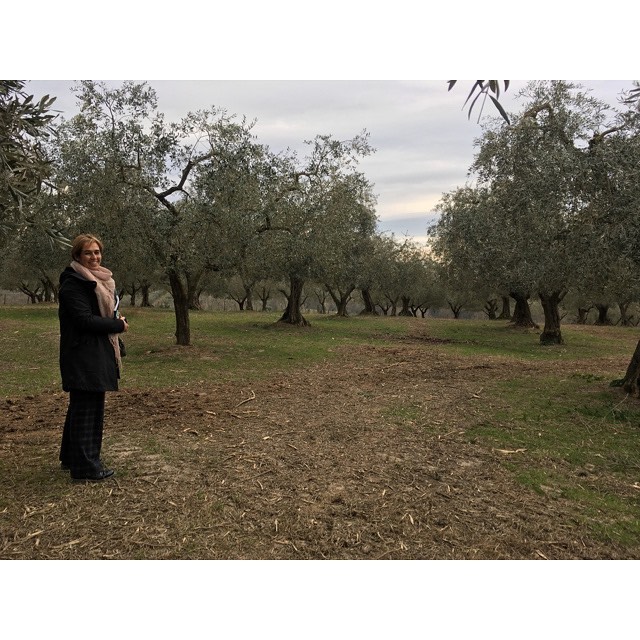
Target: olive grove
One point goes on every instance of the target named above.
(550, 213)
(554, 208)
(527, 226)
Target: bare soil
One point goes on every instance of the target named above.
(365, 456)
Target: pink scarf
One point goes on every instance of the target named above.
(106, 293)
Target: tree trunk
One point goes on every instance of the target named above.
(625, 319)
(583, 312)
(405, 311)
(293, 314)
(32, 294)
(144, 290)
(455, 309)
(603, 310)
(341, 308)
(194, 300)
(369, 304)
(193, 289)
(491, 308)
(391, 308)
(341, 299)
(522, 312)
(551, 333)
(181, 309)
(631, 382)
(249, 296)
(264, 294)
(505, 314)
(48, 290)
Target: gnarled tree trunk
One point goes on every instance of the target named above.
(249, 297)
(603, 310)
(631, 381)
(406, 310)
(625, 319)
(583, 312)
(264, 294)
(133, 290)
(551, 333)
(144, 290)
(341, 299)
(369, 304)
(491, 308)
(181, 308)
(505, 314)
(293, 314)
(456, 309)
(522, 312)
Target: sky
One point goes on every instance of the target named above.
(423, 136)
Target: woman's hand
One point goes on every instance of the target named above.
(126, 324)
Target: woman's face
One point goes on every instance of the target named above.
(90, 256)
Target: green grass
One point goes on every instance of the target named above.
(476, 337)
(573, 434)
(403, 414)
(563, 418)
(29, 348)
(224, 346)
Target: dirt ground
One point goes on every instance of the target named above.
(362, 457)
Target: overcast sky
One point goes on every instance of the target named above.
(423, 138)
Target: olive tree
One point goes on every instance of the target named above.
(378, 257)
(30, 261)
(25, 125)
(122, 142)
(322, 203)
(532, 175)
(476, 247)
(350, 211)
(614, 202)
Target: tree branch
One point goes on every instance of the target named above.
(185, 174)
(599, 137)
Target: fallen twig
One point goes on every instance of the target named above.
(252, 397)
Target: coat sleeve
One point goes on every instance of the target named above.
(74, 296)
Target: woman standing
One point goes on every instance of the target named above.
(90, 359)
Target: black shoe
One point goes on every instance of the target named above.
(64, 467)
(98, 476)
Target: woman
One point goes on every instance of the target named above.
(90, 360)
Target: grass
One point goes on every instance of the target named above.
(575, 436)
(560, 417)
(477, 337)
(224, 346)
(573, 429)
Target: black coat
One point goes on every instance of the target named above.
(87, 357)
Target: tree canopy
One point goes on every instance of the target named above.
(25, 124)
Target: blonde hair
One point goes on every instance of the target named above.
(81, 241)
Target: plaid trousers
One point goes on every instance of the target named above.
(82, 433)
